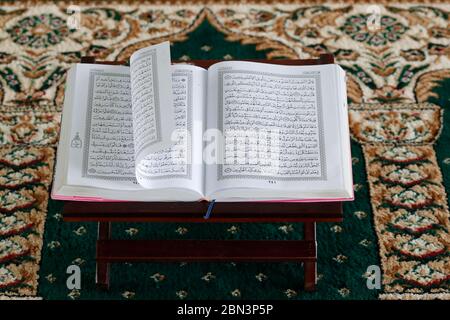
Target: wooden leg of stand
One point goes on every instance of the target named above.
(310, 266)
(102, 271)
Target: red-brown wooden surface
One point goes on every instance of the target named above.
(195, 211)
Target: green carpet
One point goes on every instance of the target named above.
(390, 77)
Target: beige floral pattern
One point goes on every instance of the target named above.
(402, 125)
(25, 174)
(408, 198)
(29, 128)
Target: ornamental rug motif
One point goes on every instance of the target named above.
(25, 175)
(409, 48)
(403, 62)
(408, 198)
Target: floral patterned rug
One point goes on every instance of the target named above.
(398, 79)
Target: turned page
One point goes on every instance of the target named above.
(120, 115)
(180, 165)
(152, 102)
(281, 132)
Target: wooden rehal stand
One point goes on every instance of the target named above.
(109, 250)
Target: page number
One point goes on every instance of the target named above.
(272, 182)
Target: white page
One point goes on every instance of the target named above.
(181, 164)
(101, 152)
(299, 101)
(152, 102)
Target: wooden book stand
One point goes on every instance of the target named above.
(109, 250)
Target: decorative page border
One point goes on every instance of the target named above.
(317, 78)
(87, 133)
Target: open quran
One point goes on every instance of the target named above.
(237, 131)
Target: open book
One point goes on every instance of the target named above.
(239, 131)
